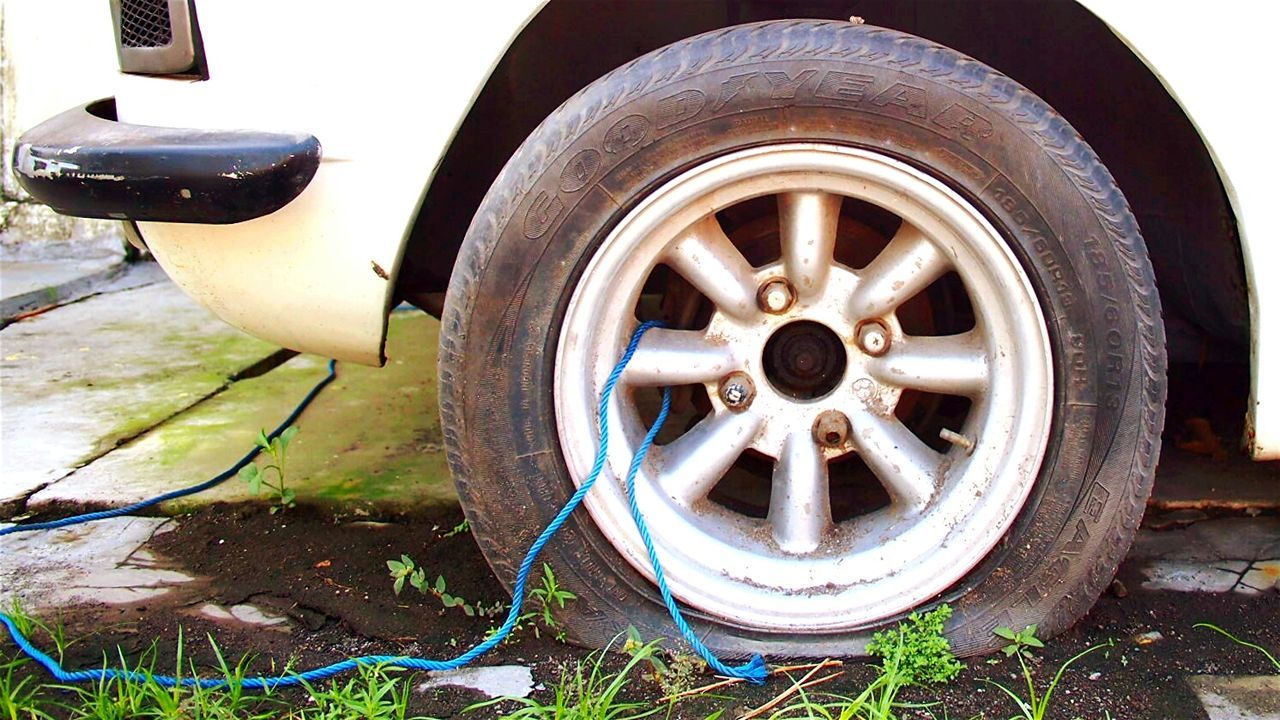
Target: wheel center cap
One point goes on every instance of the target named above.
(804, 360)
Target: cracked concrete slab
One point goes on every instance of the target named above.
(372, 438)
(1190, 576)
(1230, 538)
(1235, 554)
(98, 562)
(246, 614)
(81, 380)
(1262, 575)
(1254, 697)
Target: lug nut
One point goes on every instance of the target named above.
(831, 429)
(737, 391)
(776, 296)
(873, 338)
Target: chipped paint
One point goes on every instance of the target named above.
(34, 166)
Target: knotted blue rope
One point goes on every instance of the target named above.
(754, 671)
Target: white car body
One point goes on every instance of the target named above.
(1159, 33)
(327, 268)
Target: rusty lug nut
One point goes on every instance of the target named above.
(873, 338)
(831, 429)
(737, 391)
(776, 296)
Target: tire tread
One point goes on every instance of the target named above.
(809, 39)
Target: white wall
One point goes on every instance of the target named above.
(54, 54)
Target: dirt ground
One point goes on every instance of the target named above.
(328, 575)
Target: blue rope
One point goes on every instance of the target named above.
(754, 671)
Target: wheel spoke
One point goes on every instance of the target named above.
(910, 470)
(677, 357)
(693, 464)
(800, 502)
(705, 257)
(949, 365)
(807, 222)
(907, 265)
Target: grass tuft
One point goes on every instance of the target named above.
(585, 691)
(1243, 643)
(1034, 706)
(375, 692)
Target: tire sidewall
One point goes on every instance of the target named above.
(611, 145)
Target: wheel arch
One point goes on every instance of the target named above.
(1058, 48)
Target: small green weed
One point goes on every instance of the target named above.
(373, 693)
(1242, 643)
(1034, 706)
(144, 696)
(21, 699)
(405, 569)
(912, 654)
(915, 652)
(30, 625)
(550, 598)
(1021, 642)
(674, 672)
(462, 527)
(258, 478)
(376, 692)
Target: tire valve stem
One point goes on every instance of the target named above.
(956, 438)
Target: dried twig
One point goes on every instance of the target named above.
(729, 682)
(803, 682)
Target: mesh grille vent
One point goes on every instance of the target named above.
(145, 23)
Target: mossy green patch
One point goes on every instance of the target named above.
(370, 441)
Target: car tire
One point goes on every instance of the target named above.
(1040, 259)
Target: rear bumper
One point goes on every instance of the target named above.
(85, 163)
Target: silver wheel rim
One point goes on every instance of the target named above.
(796, 570)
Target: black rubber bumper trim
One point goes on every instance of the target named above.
(85, 163)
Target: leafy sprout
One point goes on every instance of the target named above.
(271, 476)
(1034, 706)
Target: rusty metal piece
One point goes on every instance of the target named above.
(873, 338)
(956, 438)
(831, 429)
(776, 296)
(737, 391)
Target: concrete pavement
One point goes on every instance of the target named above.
(138, 391)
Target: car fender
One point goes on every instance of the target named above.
(1211, 63)
(326, 261)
